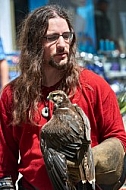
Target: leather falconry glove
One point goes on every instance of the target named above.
(109, 164)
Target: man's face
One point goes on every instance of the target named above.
(56, 48)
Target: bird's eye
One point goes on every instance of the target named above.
(53, 95)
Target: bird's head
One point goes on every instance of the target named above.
(58, 97)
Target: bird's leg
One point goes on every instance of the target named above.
(87, 186)
(84, 186)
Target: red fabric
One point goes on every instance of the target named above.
(97, 100)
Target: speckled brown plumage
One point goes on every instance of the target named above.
(66, 138)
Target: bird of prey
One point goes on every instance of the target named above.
(65, 139)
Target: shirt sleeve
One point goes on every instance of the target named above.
(107, 114)
(112, 119)
(104, 113)
(8, 145)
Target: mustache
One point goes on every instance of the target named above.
(60, 53)
(61, 50)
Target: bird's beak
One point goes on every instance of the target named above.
(48, 97)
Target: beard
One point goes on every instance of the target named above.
(58, 66)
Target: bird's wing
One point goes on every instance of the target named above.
(90, 172)
(86, 122)
(58, 143)
(62, 133)
(88, 161)
(66, 135)
(56, 168)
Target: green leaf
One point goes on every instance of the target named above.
(122, 102)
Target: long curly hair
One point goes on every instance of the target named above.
(27, 88)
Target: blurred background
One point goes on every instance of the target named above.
(100, 27)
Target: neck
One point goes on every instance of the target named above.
(52, 76)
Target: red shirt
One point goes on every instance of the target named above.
(97, 100)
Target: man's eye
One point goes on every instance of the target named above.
(66, 36)
(52, 37)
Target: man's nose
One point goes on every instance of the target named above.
(61, 41)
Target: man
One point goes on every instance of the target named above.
(47, 62)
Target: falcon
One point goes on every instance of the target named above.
(65, 139)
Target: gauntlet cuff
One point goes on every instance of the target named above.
(109, 161)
